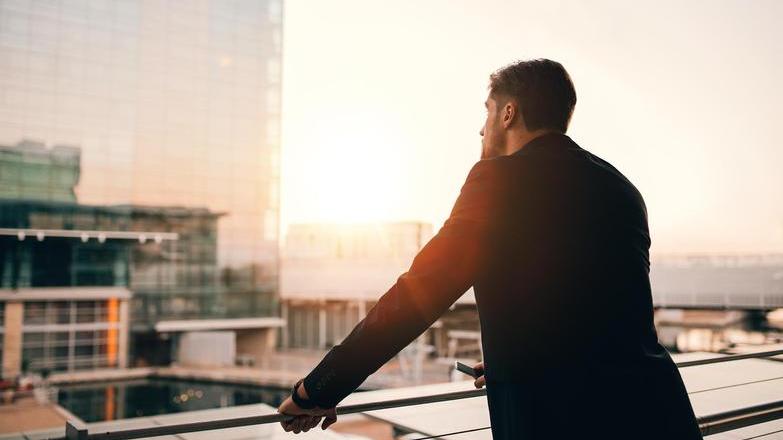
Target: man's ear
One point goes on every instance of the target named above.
(510, 114)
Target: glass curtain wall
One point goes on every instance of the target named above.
(145, 116)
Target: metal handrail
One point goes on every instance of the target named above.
(740, 418)
(710, 424)
(734, 357)
(79, 430)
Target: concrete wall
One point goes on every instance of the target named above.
(12, 339)
(256, 343)
(207, 349)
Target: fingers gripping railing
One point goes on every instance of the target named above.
(78, 431)
(711, 424)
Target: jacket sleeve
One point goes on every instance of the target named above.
(441, 272)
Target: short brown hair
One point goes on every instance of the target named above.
(543, 90)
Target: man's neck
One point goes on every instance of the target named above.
(520, 139)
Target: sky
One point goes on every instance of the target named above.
(383, 103)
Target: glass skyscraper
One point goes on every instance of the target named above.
(140, 148)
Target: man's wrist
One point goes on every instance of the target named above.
(301, 401)
(302, 391)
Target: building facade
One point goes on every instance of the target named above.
(718, 281)
(57, 329)
(142, 152)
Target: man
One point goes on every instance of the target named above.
(555, 242)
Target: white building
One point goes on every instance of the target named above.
(331, 274)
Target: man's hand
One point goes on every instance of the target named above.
(304, 419)
(480, 380)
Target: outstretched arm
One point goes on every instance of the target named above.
(441, 272)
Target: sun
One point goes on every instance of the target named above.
(352, 173)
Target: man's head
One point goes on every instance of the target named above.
(526, 99)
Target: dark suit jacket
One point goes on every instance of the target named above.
(555, 242)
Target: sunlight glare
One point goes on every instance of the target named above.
(354, 171)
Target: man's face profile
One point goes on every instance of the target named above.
(492, 132)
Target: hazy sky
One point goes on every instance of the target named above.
(383, 102)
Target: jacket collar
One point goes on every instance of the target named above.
(548, 141)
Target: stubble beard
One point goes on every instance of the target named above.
(488, 149)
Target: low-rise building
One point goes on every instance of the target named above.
(332, 274)
(94, 286)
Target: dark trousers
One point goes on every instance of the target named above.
(566, 409)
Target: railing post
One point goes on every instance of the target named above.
(75, 430)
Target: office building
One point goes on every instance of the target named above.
(141, 151)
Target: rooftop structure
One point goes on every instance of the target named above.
(751, 282)
(32, 171)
